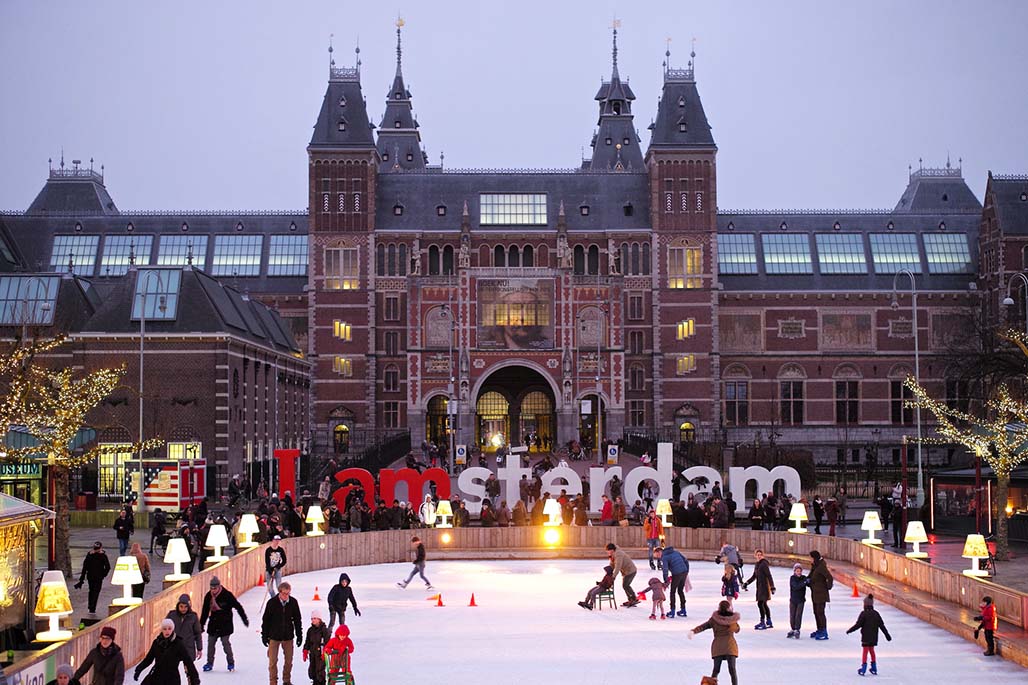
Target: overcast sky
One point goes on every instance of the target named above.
(209, 105)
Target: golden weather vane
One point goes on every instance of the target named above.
(399, 21)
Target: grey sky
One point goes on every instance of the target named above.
(209, 105)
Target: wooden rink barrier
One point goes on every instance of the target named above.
(138, 625)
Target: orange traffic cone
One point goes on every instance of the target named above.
(472, 602)
(433, 597)
(260, 581)
(316, 598)
(440, 601)
(855, 592)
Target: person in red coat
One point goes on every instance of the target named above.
(989, 622)
(337, 655)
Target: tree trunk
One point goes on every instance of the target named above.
(62, 524)
(1002, 485)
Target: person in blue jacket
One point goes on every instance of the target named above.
(674, 563)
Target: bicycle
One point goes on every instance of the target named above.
(989, 563)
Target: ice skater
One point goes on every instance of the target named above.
(988, 622)
(626, 567)
(820, 582)
(797, 598)
(313, 648)
(338, 596)
(419, 564)
(869, 622)
(602, 585)
(730, 584)
(656, 586)
(274, 562)
(724, 622)
(675, 564)
(765, 588)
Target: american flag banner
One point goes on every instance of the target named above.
(167, 483)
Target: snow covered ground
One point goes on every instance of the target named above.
(528, 627)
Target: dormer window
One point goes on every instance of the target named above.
(836, 226)
(629, 209)
(617, 108)
(440, 210)
(410, 156)
(890, 226)
(942, 225)
(292, 225)
(185, 227)
(396, 124)
(239, 226)
(584, 210)
(1024, 197)
(681, 101)
(385, 156)
(397, 210)
(783, 226)
(78, 226)
(731, 225)
(342, 101)
(608, 140)
(130, 227)
(397, 95)
(626, 141)
(681, 127)
(945, 197)
(342, 124)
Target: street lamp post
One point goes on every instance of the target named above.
(143, 293)
(451, 402)
(917, 370)
(1008, 301)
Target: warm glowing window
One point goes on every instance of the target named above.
(686, 364)
(341, 269)
(342, 330)
(686, 329)
(684, 266)
(343, 366)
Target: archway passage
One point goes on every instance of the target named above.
(515, 406)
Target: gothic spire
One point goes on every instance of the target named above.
(399, 142)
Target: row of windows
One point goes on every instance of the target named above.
(843, 253)
(233, 255)
(791, 402)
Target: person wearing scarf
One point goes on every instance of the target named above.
(166, 653)
(218, 604)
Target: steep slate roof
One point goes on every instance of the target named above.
(1010, 198)
(75, 190)
(398, 134)
(680, 104)
(616, 125)
(344, 103)
(937, 190)
(864, 223)
(605, 193)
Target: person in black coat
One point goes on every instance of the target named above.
(218, 604)
(756, 516)
(314, 648)
(338, 596)
(281, 621)
(765, 588)
(123, 528)
(95, 568)
(166, 653)
(869, 622)
(797, 598)
(65, 676)
(274, 562)
(106, 660)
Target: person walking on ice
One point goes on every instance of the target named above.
(869, 623)
(419, 564)
(274, 562)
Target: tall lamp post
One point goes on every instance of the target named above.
(143, 293)
(451, 402)
(917, 370)
(1008, 301)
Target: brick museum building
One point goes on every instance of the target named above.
(608, 298)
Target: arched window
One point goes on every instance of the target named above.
(433, 260)
(341, 439)
(514, 256)
(646, 259)
(380, 260)
(543, 258)
(579, 259)
(448, 260)
(636, 378)
(402, 260)
(391, 260)
(499, 256)
(636, 268)
(527, 256)
(686, 432)
(392, 378)
(594, 260)
(624, 259)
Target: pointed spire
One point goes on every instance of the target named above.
(357, 55)
(614, 52)
(331, 59)
(399, 50)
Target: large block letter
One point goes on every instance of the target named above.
(387, 479)
(739, 477)
(471, 482)
(287, 471)
(364, 477)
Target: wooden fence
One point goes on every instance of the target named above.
(137, 626)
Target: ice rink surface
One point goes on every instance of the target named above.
(527, 627)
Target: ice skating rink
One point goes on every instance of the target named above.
(527, 627)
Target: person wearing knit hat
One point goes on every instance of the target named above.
(218, 604)
(869, 623)
(820, 582)
(797, 598)
(187, 626)
(314, 648)
(106, 661)
(166, 652)
(65, 675)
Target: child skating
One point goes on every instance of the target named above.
(313, 648)
(603, 585)
(656, 586)
(730, 584)
(869, 622)
(797, 598)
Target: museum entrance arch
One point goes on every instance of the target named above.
(514, 403)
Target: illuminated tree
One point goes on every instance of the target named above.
(52, 405)
(999, 437)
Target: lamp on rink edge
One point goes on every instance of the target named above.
(871, 523)
(663, 510)
(247, 528)
(126, 574)
(217, 539)
(551, 536)
(975, 549)
(798, 515)
(916, 534)
(551, 509)
(176, 553)
(53, 602)
(315, 517)
(443, 511)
